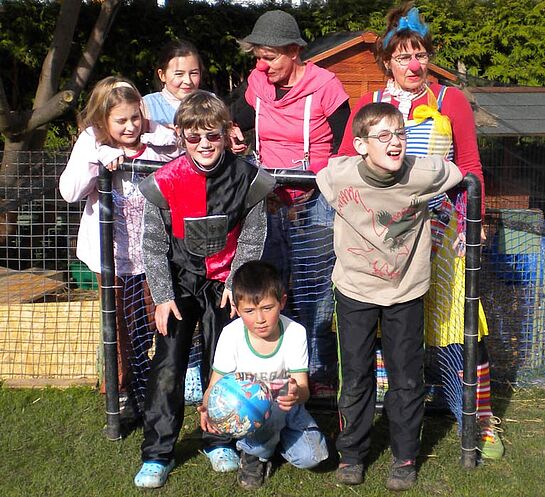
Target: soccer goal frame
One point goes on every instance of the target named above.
(292, 178)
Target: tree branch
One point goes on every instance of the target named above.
(58, 52)
(48, 104)
(53, 108)
(88, 58)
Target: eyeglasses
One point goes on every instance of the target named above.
(211, 137)
(386, 135)
(404, 59)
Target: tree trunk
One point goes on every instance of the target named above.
(26, 129)
(10, 173)
(9, 179)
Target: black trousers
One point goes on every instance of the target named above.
(402, 330)
(164, 405)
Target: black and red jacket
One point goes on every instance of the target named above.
(203, 212)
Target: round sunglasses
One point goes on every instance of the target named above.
(211, 137)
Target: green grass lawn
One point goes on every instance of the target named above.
(52, 445)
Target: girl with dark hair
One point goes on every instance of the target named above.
(179, 71)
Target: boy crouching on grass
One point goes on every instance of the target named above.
(383, 245)
(272, 347)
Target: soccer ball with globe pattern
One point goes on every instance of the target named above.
(239, 404)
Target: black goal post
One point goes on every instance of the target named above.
(293, 178)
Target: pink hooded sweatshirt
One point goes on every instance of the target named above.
(281, 122)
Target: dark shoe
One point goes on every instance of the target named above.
(252, 471)
(402, 475)
(351, 474)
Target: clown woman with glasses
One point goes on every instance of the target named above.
(438, 121)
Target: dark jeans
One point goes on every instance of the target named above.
(164, 406)
(402, 328)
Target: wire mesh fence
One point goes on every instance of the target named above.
(50, 324)
(512, 279)
(50, 320)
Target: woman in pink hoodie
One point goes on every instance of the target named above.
(298, 111)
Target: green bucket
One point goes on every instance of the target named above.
(83, 276)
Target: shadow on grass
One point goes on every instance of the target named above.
(188, 446)
(501, 398)
(437, 424)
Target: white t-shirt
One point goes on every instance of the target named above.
(234, 352)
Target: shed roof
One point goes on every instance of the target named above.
(509, 111)
(321, 47)
(499, 110)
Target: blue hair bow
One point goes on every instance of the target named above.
(411, 22)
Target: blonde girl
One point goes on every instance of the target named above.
(113, 129)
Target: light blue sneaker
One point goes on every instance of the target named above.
(153, 474)
(223, 459)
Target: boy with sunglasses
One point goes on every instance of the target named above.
(383, 246)
(204, 217)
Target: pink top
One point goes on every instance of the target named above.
(457, 108)
(281, 121)
(79, 181)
